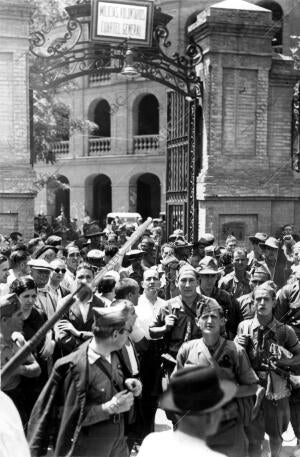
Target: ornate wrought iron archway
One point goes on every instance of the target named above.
(65, 52)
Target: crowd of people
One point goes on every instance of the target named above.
(208, 333)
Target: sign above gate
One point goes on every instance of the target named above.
(119, 20)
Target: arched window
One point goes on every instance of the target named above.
(102, 119)
(277, 17)
(148, 116)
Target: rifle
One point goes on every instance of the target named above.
(117, 259)
(83, 291)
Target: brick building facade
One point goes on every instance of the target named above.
(16, 175)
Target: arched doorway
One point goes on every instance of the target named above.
(98, 197)
(58, 197)
(145, 195)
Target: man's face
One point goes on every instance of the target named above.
(187, 284)
(207, 282)
(24, 268)
(231, 245)
(4, 272)
(27, 300)
(167, 250)
(84, 276)
(210, 323)
(58, 270)
(240, 261)
(147, 247)
(263, 303)
(151, 281)
(40, 277)
(73, 258)
(270, 254)
(288, 230)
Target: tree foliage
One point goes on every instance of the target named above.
(51, 117)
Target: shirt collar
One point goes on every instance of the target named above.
(271, 325)
(93, 356)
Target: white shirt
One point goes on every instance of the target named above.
(175, 444)
(146, 312)
(69, 281)
(12, 438)
(4, 289)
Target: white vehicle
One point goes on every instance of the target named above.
(125, 218)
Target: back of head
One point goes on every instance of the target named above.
(17, 257)
(106, 284)
(124, 287)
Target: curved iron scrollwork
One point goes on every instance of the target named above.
(63, 55)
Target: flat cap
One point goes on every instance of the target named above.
(53, 240)
(95, 254)
(271, 242)
(206, 239)
(208, 266)
(134, 254)
(260, 237)
(39, 264)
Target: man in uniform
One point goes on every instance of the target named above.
(287, 310)
(209, 274)
(237, 282)
(175, 321)
(256, 255)
(258, 275)
(272, 348)
(93, 392)
(231, 363)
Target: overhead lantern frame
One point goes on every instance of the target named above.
(92, 40)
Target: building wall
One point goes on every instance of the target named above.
(16, 176)
(246, 173)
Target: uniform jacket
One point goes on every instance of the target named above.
(62, 402)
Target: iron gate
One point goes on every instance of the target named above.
(184, 159)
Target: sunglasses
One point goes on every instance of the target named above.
(60, 270)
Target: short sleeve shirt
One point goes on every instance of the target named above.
(265, 341)
(185, 328)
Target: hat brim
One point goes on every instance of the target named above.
(207, 271)
(228, 387)
(271, 246)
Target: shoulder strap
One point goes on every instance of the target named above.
(105, 370)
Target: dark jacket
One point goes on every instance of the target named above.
(66, 342)
(62, 402)
(65, 389)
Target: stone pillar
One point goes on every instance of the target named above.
(17, 190)
(235, 189)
